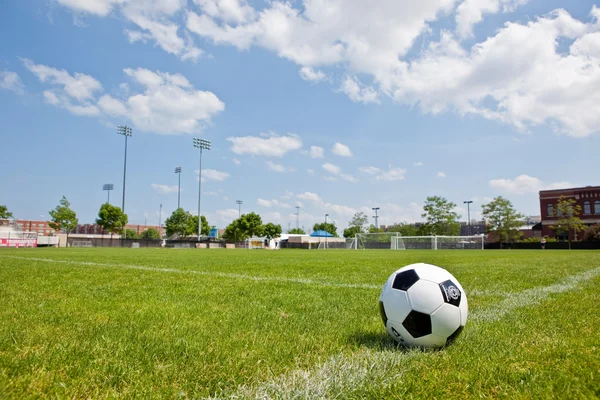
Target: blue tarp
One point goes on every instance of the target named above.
(321, 234)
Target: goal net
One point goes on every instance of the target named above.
(81, 243)
(369, 241)
(440, 242)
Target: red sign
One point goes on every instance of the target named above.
(18, 242)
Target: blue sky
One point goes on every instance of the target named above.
(334, 106)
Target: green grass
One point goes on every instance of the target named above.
(197, 323)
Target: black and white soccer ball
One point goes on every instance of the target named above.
(423, 305)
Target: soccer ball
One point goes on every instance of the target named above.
(423, 305)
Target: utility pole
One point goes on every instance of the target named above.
(160, 221)
(127, 132)
(178, 172)
(376, 217)
(297, 217)
(108, 187)
(239, 203)
(202, 145)
(468, 203)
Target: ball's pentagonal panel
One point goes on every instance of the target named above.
(399, 333)
(451, 292)
(396, 305)
(382, 312)
(434, 341)
(431, 273)
(417, 324)
(404, 280)
(453, 337)
(425, 296)
(445, 320)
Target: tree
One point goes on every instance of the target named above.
(272, 231)
(233, 232)
(131, 234)
(193, 226)
(592, 234)
(179, 223)
(251, 225)
(568, 211)
(404, 229)
(352, 231)
(4, 214)
(502, 219)
(150, 234)
(296, 231)
(359, 220)
(63, 218)
(327, 227)
(112, 218)
(440, 217)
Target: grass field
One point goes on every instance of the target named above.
(165, 323)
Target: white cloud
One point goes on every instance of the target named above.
(236, 161)
(96, 7)
(341, 150)
(213, 175)
(358, 92)
(311, 75)
(334, 169)
(470, 12)
(10, 81)
(270, 146)
(164, 189)
(441, 174)
(309, 196)
(230, 11)
(272, 203)
(316, 152)
(310, 171)
(370, 170)
(524, 184)
(275, 167)
(392, 174)
(418, 164)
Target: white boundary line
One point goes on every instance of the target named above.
(345, 374)
(302, 281)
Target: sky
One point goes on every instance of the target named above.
(334, 106)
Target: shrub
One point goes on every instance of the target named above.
(592, 234)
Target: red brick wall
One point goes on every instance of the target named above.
(589, 194)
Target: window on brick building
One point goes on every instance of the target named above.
(597, 207)
(550, 210)
(587, 207)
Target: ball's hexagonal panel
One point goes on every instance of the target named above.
(387, 286)
(396, 305)
(425, 296)
(464, 306)
(445, 320)
(404, 280)
(382, 313)
(431, 341)
(432, 273)
(399, 333)
(452, 337)
(451, 292)
(417, 324)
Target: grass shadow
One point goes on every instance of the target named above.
(375, 340)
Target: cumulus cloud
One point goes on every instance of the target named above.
(334, 169)
(213, 175)
(11, 81)
(272, 203)
(337, 172)
(470, 12)
(236, 161)
(391, 174)
(358, 92)
(441, 174)
(311, 75)
(269, 145)
(525, 184)
(418, 164)
(276, 167)
(341, 150)
(316, 152)
(164, 189)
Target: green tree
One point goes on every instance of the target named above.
(592, 234)
(297, 231)
(192, 229)
(63, 218)
(374, 229)
(358, 222)
(567, 212)
(4, 214)
(112, 218)
(352, 231)
(440, 218)
(502, 219)
(179, 223)
(251, 225)
(404, 229)
(150, 234)
(327, 227)
(131, 234)
(234, 233)
(272, 231)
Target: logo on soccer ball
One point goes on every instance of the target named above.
(451, 292)
(454, 292)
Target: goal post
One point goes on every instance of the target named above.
(393, 241)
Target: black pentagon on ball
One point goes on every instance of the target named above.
(382, 312)
(417, 324)
(404, 280)
(451, 293)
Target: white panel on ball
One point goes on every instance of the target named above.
(432, 273)
(425, 296)
(400, 308)
(399, 333)
(445, 320)
(430, 341)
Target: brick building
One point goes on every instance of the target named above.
(588, 198)
(96, 230)
(40, 227)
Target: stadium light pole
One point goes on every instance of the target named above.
(468, 203)
(127, 132)
(239, 203)
(178, 172)
(108, 187)
(202, 145)
(297, 217)
(376, 217)
(159, 219)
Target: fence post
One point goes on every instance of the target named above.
(435, 247)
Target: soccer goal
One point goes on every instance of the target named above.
(371, 241)
(440, 242)
(81, 243)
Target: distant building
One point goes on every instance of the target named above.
(588, 198)
(96, 230)
(40, 227)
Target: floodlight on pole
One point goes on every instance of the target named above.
(376, 217)
(201, 144)
(127, 132)
(160, 219)
(239, 203)
(468, 203)
(178, 172)
(108, 187)
(326, 215)
(297, 217)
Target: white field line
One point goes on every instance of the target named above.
(276, 279)
(343, 376)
